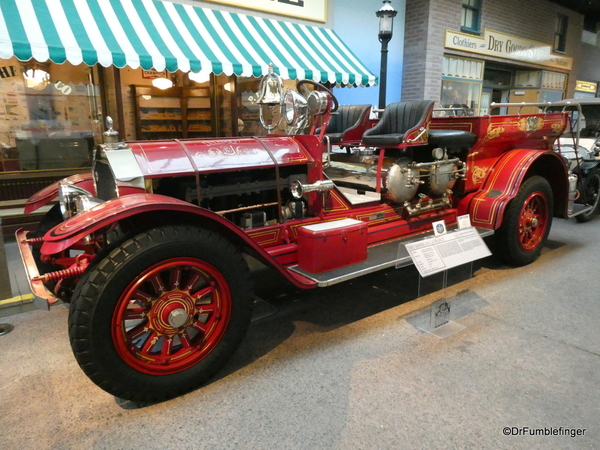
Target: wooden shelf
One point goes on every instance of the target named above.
(161, 131)
(187, 108)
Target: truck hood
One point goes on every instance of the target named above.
(185, 157)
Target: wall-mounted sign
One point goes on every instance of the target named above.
(586, 86)
(494, 43)
(8, 72)
(153, 74)
(303, 9)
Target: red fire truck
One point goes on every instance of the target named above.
(149, 248)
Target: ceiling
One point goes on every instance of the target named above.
(589, 8)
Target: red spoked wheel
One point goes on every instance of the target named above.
(527, 222)
(161, 313)
(533, 221)
(172, 316)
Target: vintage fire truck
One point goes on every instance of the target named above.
(150, 247)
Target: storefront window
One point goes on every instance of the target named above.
(460, 94)
(49, 119)
(224, 94)
(554, 80)
(461, 84)
(193, 107)
(553, 86)
(470, 69)
(527, 78)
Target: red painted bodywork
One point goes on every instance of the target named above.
(497, 135)
(185, 157)
(83, 180)
(76, 228)
(495, 171)
(487, 206)
(49, 193)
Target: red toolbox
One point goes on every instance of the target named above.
(330, 245)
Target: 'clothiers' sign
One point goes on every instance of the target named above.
(494, 43)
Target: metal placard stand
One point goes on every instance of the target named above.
(438, 255)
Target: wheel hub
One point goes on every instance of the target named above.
(530, 220)
(178, 318)
(172, 312)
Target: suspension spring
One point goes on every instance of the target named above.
(33, 241)
(60, 274)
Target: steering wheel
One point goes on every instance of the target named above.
(301, 85)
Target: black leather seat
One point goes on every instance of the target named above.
(345, 120)
(452, 139)
(399, 120)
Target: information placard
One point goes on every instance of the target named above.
(444, 252)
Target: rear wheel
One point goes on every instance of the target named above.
(527, 222)
(161, 314)
(591, 195)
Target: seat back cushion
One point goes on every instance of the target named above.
(402, 116)
(347, 116)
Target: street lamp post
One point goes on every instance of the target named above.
(386, 16)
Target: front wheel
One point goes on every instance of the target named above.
(161, 314)
(591, 187)
(527, 222)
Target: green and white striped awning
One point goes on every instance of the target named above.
(163, 35)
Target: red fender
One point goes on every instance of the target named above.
(50, 192)
(503, 181)
(76, 228)
(82, 180)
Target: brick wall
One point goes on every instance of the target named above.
(427, 21)
(536, 20)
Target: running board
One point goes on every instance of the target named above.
(383, 256)
(580, 209)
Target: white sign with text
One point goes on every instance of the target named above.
(501, 45)
(444, 252)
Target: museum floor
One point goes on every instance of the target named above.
(348, 368)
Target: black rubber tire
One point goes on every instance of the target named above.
(591, 185)
(508, 235)
(99, 290)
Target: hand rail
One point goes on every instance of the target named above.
(520, 105)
